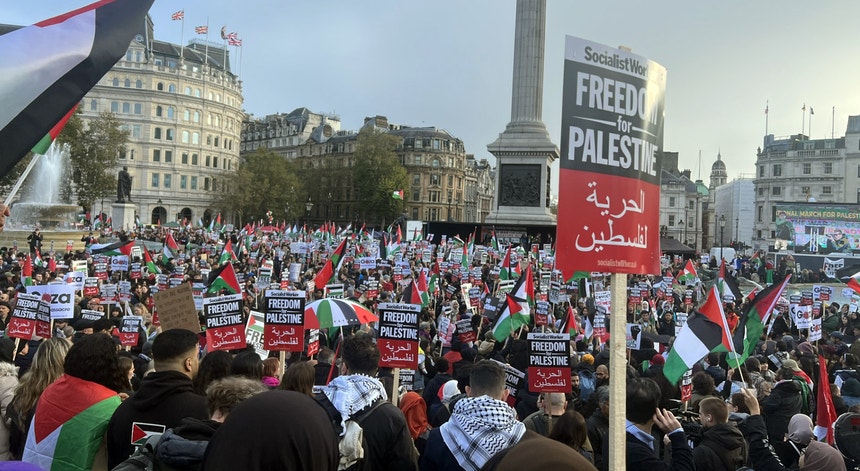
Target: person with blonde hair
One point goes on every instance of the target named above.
(47, 366)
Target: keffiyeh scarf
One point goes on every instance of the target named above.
(479, 428)
(352, 393)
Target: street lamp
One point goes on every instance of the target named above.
(722, 231)
(680, 231)
(308, 206)
(737, 239)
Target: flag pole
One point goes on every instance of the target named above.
(182, 40)
(618, 372)
(811, 113)
(803, 120)
(766, 116)
(833, 123)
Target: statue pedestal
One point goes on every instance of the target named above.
(122, 216)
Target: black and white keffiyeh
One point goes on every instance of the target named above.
(479, 428)
(352, 393)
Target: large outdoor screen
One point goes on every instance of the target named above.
(818, 228)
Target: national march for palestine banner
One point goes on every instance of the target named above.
(284, 327)
(549, 362)
(224, 327)
(398, 335)
(612, 137)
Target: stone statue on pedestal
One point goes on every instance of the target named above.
(123, 186)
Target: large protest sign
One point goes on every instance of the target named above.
(285, 321)
(22, 324)
(176, 309)
(129, 330)
(612, 139)
(465, 331)
(62, 299)
(225, 329)
(514, 380)
(254, 333)
(398, 335)
(549, 362)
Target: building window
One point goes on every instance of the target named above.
(185, 158)
(94, 105)
(826, 190)
(206, 183)
(115, 82)
(138, 84)
(167, 180)
(671, 202)
(807, 169)
(156, 155)
(761, 191)
(434, 178)
(434, 196)
(188, 91)
(777, 191)
(185, 135)
(760, 211)
(159, 86)
(828, 168)
(195, 138)
(171, 112)
(777, 170)
(691, 204)
(157, 133)
(416, 179)
(450, 180)
(158, 111)
(168, 156)
(196, 116)
(207, 160)
(761, 171)
(416, 195)
(171, 88)
(804, 190)
(138, 108)
(193, 159)
(183, 182)
(155, 180)
(414, 213)
(126, 108)
(135, 130)
(169, 134)
(193, 183)
(671, 220)
(418, 159)
(186, 115)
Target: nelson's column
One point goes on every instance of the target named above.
(524, 150)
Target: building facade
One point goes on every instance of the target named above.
(735, 201)
(183, 108)
(445, 183)
(681, 204)
(799, 169)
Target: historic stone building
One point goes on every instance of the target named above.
(183, 108)
(445, 183)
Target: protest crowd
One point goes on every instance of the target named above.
(395, 352)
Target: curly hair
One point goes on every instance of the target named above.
(226, 393)
(361, 354)
(93, 358)
(47, 366)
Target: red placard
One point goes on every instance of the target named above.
(91, 287)
(609, 195)
(541, 313)
(549, 362)
(43, 317)
(687, 386)
(465, 331)
(129, 330)
(398, 335)
(225, 329)
(284, 327)
(313, 341)
(22, 322)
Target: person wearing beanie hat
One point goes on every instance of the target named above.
(588, 358)
(658, 360)
(8, 384)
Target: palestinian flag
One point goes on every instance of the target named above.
(726, 284)
(397, 194)
(421, 284)
(331, 267)
(70, 423)
(850, 276)
(688, 275)
(524, 288)
(45, 144)
(47, 68)
(27, 271)
(227, 254)
(703, 333)
(752, 322)
(171, 248)
(825, 410)
(411, 294)
(224, 278)
(510, 318)
(569, 323)
(494, 242)
(116, 248)
(150, 265)
(505, 271)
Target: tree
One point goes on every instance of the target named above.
(377, 174)
(95, 149)
(265, 182)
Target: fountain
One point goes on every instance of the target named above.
(40, 203)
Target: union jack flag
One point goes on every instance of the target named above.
(179, 15)
(201, 29)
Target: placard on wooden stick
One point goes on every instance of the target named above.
(176, 309)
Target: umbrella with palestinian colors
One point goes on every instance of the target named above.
(330, 312)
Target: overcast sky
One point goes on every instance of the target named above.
(448, 63)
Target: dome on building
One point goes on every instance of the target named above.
(718, 172)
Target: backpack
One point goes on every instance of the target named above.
(586, 384)
(143, 457)
(352, 446)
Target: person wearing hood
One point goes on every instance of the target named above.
(798, 437)
(722, 446)
(782, 404)
(448, 393)
(183, 448)
(164, 398)
(850, 392)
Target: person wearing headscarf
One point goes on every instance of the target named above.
(797, 438)
(415, 410)
(238, 443)
(850, 392)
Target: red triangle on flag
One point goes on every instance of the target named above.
(137, 433)
(513, 306)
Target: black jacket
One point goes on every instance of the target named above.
(389, 444)
(163, 400)
(722, 448)
(640, 456)
(437, 456)
(431, 390)
(183, 447)
(784, 401)
(598, 427)
(762, 457)
(321, 372)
